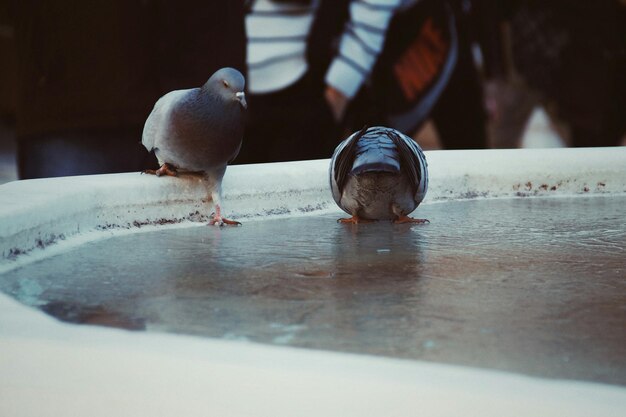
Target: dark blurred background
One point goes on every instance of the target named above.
(83, 76)
(78, 79)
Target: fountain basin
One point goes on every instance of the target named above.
(47, 220)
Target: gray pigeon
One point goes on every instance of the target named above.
(378, 173)
(200, 130)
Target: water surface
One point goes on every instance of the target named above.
(536, 286)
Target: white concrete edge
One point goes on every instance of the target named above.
(51, 368)
(37, 214)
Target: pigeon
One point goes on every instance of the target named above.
(200, 130)
(378, 173)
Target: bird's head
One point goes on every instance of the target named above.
(229, 84)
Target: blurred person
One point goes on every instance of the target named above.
(90, 73)
(574, 54)
(302, 71)
(317, 69)
(568, 56)
(427, 69)
(288, 116)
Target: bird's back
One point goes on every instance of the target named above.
(375, 153)
(376, 168)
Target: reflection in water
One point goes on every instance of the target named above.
(527, 285)
(98, 315)
(377, 288)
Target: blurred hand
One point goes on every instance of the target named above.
(336, 101)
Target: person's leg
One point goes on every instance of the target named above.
(292, 124)
(459, 115)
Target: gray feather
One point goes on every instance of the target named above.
(199, 129)
(377, 173)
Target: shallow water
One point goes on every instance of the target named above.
(536, 286)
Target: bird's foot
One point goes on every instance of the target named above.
(217, 220)
(354, 220)
(407, 219)
(165, 169)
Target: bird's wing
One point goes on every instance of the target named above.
(156, 126)
(230, 161)
(344, 158)
(412, 159)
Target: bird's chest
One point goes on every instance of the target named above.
(197, 142)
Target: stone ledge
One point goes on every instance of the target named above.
(38, 213)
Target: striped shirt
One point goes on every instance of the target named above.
(277, 34)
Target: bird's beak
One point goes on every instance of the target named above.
(241, 96)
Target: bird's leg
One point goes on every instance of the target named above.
(355, 219)
(407, 219)
(216, 218)
(403, 218)
(166, 169)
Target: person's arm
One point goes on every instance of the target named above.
(361, 43)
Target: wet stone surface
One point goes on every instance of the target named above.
(535, 286)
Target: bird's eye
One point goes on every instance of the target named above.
(226, 83)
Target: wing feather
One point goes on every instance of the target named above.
(410, 161)
(156, 126)
(344, 159)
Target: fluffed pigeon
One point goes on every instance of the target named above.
(200, 130)
(378, 173)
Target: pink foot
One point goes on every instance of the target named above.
(166, 169)
(218, 220)
(354, 220)
(407, 219)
